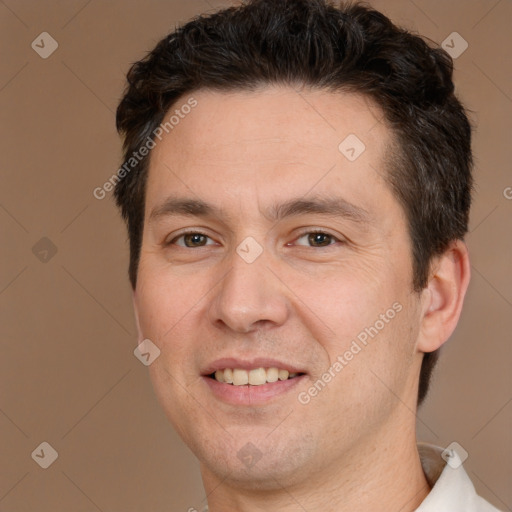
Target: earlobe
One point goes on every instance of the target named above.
(140, 337)
(444, 296)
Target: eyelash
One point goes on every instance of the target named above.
(303, 233)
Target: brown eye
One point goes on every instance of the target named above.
(317, 239)
(191, 239)
(194, 239)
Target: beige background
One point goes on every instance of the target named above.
(68, 373)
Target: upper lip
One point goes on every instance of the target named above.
(250, 364)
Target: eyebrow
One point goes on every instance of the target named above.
(330, 206)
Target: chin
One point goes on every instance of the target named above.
(258, 462)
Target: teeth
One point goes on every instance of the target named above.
(283, 374)
(272, 375)
(255, 377)
(228, 375)
(240, 377)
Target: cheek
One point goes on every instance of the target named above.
(170, 311)
(165, 302)
(365, 317)
(390, 349)
(346, 299)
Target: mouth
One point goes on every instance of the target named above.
(257, 382)
(253, 377)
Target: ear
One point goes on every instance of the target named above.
(444, 295)
(140, 336)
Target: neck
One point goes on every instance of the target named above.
(383, 474)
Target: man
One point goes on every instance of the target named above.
(296, 185)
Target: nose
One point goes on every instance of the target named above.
(250, 297)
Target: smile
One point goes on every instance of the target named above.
(254, 377)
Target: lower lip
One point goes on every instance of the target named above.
(251, 395)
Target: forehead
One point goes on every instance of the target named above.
(269, 144)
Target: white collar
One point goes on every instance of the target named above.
(452, 490)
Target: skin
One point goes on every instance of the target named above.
(302, 301)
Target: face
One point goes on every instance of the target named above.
(275, 277)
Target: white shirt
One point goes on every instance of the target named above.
(452, 490)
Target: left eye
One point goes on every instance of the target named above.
(318, 239)
(191, 239)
